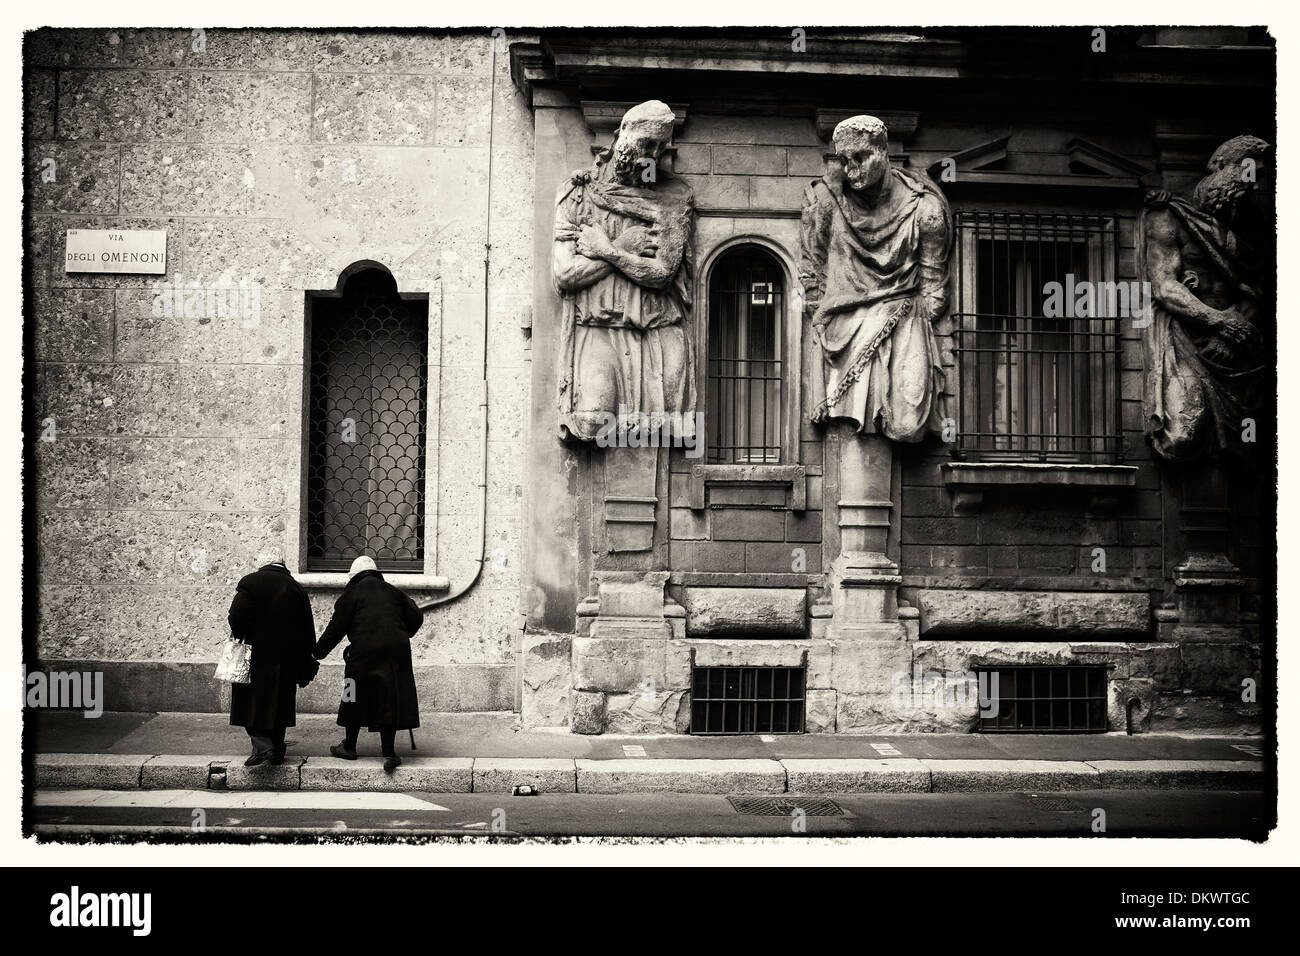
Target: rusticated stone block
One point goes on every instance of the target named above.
(588, 715)
(894, 714)
(1055, 612)
(744, 610)
(648, 711)
(619, 656)
(1218, 668)
(819, 711)
(547, 679)
(870, 667)
(1188, 713)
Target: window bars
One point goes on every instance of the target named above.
(747, 700)
(1038, 363)
(744, 367)
(1057, 700)
(366, 428)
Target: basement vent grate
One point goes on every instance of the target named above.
(747, 700)
(1044, 700)
(784, 806)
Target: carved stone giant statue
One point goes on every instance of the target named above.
(875, 243)
(874, 267)
(1209, 346)
(623, 263)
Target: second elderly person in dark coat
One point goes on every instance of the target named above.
(379, 680)
(271, 613)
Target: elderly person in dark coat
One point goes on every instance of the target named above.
(379, 680)
(271, 613)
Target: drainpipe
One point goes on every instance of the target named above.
(483, 385)
(1128, 713)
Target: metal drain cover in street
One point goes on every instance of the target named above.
(1063, 804)
(784, 806)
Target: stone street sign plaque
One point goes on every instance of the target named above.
(117, 250)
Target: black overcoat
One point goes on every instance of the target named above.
(272, 613)
(379, 621)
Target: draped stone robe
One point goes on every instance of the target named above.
(863, 266)
(625, 346)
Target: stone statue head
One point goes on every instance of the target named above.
(862, 145)
(642, 135)
(1233, 177)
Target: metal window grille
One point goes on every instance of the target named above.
(366, 427)
(1034, 387)
(747, 700)
(744, 398)
(1058, 700)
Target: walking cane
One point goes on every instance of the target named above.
(412, 733)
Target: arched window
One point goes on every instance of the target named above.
(366, 408)
(745, 370)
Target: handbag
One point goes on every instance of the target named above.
(236, 662)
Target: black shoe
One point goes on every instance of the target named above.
(343, 752)
(277, 756)
(392, 763)
(259, 758)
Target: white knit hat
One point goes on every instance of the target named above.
(362, 563)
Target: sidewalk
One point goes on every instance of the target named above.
(464, 753)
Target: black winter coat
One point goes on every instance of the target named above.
(379, 621)
(271, 612)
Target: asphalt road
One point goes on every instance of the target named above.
(177, 815)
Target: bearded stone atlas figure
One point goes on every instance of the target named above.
(1209, 348)
(623, 264)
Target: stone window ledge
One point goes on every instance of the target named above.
(793, 475)
(968, 480)
(407, 582)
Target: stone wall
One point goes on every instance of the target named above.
(276, 158)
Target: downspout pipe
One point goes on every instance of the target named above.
(481, 560)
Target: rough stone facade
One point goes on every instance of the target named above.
(282, 158)
(277, 158)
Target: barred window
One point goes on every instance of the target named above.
(367, 384)
(1038, 367)
(744, 417)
